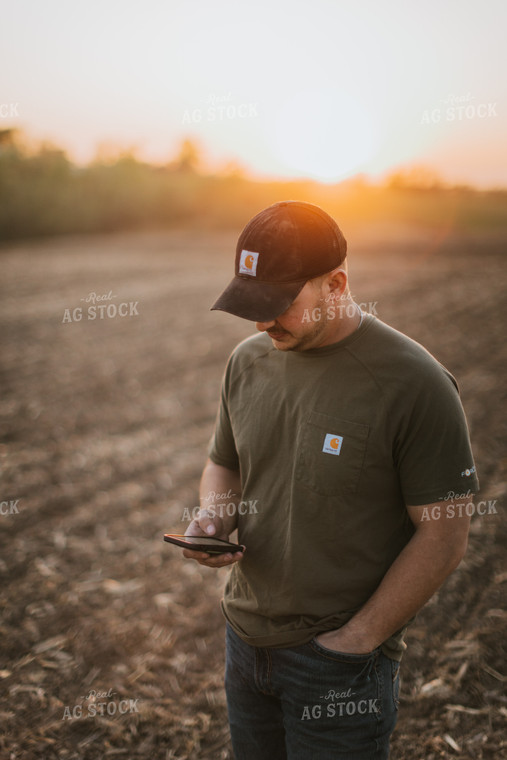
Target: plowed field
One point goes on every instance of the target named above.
(105, 423)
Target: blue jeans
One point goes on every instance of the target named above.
(309, 702)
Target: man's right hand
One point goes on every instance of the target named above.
(207, 523)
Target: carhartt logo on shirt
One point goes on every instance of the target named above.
(248, 262)
(332, 443)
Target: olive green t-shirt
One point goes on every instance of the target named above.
(331, 444)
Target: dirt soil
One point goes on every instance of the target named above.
(105, 426)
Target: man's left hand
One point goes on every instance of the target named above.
(342, 640)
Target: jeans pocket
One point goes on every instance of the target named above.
(338, 656)
(395, 675)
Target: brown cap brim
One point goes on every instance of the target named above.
(259, 301)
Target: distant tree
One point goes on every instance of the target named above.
(188, 158)
(415, 178)
(233, 169)
(9, 138)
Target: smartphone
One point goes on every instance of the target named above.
(208, 544)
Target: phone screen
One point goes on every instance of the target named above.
(204, 540)
(215, 545)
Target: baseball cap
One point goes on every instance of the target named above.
(279, 250)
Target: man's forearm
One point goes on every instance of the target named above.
(415, 575)
(219, 488)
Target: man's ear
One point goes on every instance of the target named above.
(336, 283)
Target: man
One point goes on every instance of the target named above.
(342, 434)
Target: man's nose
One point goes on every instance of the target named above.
(263, 326)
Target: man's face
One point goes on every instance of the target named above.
(297, 329)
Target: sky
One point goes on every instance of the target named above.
(326, 89)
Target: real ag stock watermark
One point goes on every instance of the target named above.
(216, 504)
(101, 307)
(219, 108)
(338, 307)
(9, 507)
(344, 706)
(9, 110)
(459, 505)
(90, 706)
(459, 108)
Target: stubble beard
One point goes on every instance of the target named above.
(304, 342)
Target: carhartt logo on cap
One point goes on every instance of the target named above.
(332, 443)
(248, 262)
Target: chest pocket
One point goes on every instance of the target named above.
(330, 454)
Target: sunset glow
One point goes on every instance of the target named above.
(281, 91)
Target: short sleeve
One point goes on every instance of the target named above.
(432, 451)
(222, 448)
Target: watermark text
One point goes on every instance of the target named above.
(459, 108)
(220, 108)
(8, 109)
(93, 707)
(99, 310)
(9, 507)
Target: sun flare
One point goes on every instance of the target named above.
(323, 134)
